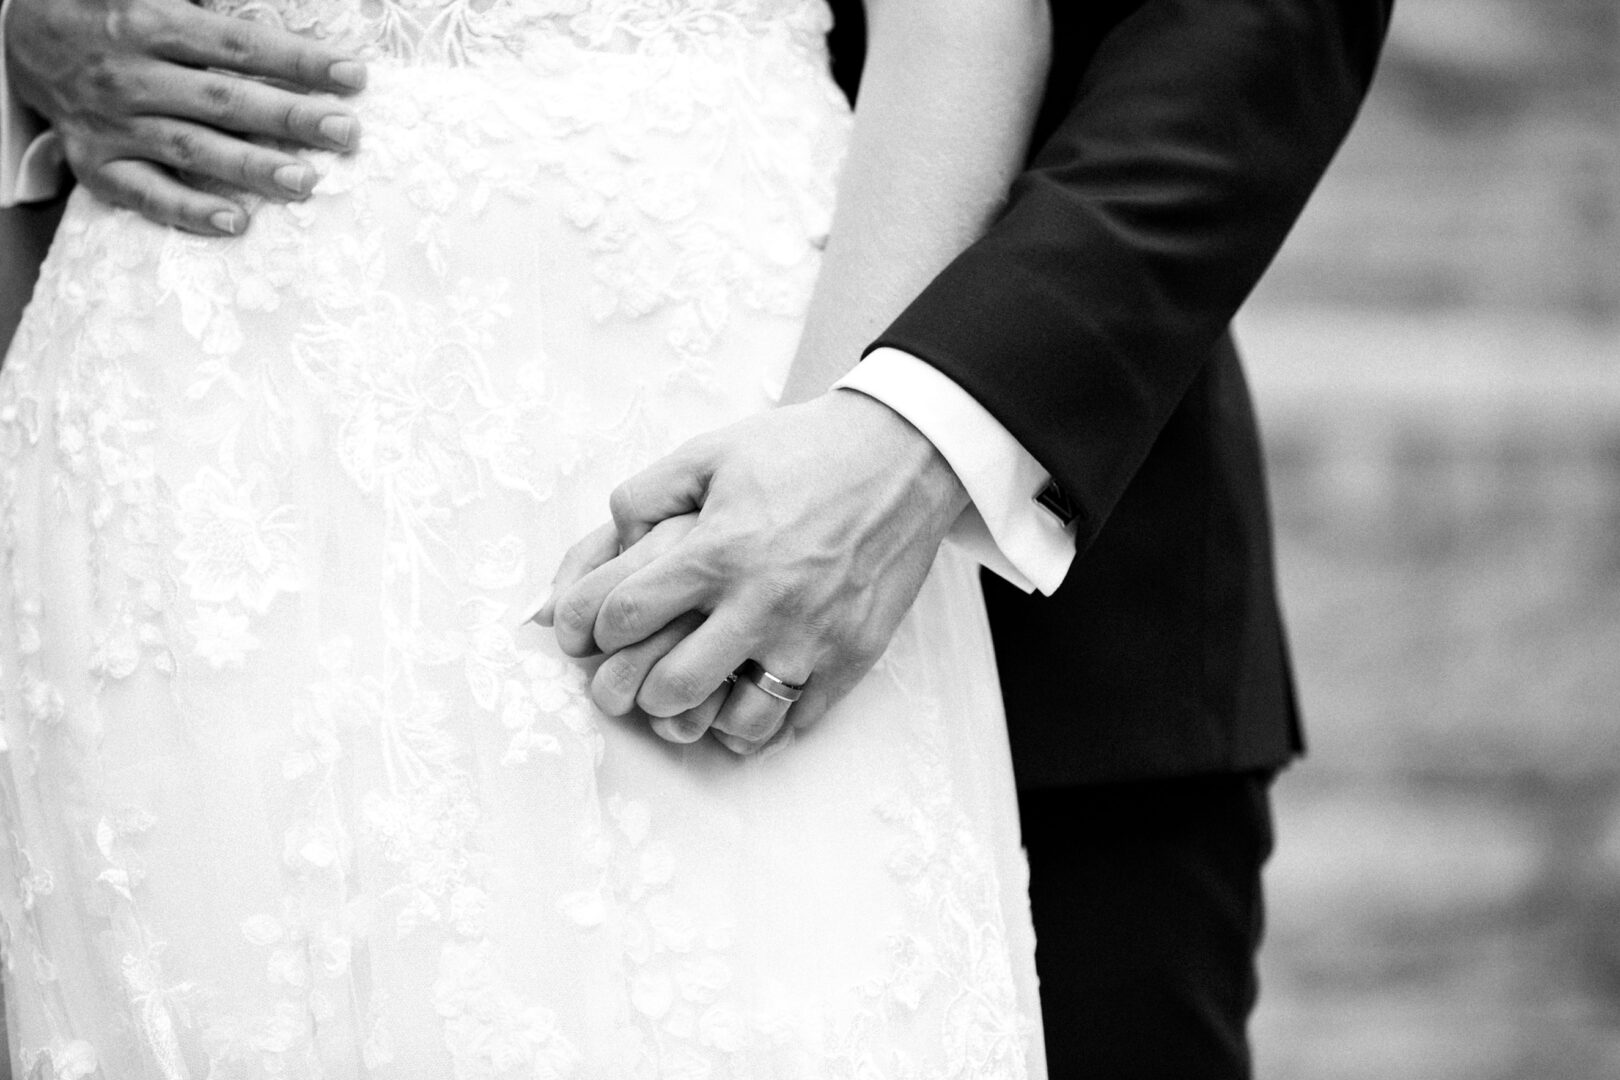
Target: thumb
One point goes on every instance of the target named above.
(675, 484)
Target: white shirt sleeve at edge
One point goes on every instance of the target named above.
(30, 153)
(1004, 528)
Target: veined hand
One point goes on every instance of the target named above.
(797, 538)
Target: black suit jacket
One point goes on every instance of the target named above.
(1177, 144)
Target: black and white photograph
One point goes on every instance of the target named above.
(810, 539)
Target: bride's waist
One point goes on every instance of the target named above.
(611, 138)
(603, 112)
(473, 32)
(567, 92)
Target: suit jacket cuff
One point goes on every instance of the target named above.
(30, 154)
(1004, 529)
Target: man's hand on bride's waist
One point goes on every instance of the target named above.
(796, 539)
(145, 92)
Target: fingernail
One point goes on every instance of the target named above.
(740, 747)
(227, 222)
(297, 179)
(338, 130)
(676, 730)
(348, 73)
(535, 609)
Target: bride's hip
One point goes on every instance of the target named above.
(557, 210)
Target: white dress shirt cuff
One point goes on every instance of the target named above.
(1004, 529)
(30, 153)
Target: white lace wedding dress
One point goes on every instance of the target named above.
(288, 790)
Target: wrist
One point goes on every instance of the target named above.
(905, 451)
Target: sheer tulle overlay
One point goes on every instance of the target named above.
(288, 788)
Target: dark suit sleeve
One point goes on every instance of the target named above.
(1193, 138)
(25, 236)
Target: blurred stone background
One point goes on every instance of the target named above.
(1437, 358)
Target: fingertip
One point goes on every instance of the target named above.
(547, 615)
(341, 132)
(578, 650)
(228, 222)
(631, 535)
(575, 632)
(296, 180)
(609, 703)
(626, 530)
(351, 75)
(678, 729)
(778, 742)
(740, 747)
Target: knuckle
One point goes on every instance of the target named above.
(781, 595)
(184, 148)
(104, 82)
(287, 117)
(621, 614)
(615, 685)
(161, 29)
(866, 643)
(575, 616)
(235, 45)
(133, 23)
(715, 554)
(134, 90)
(223, 98)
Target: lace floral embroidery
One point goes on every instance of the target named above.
(464, 31)
(296, 487)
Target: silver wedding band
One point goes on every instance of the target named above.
(780, 689)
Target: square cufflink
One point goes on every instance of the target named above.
(1055, 501)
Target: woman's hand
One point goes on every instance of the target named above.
(144, 92)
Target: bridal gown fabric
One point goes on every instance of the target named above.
(289, 789)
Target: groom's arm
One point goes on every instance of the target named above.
(1176, 166)
(1003, 528)
(25, 234)
(1192, 142)
(29, 180)
(1184, 157)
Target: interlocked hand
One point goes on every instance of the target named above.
(797, 538)
(145, 92)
